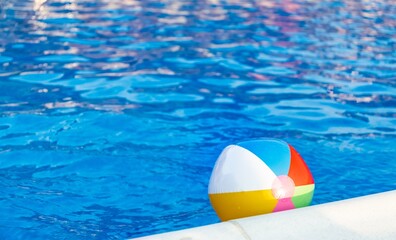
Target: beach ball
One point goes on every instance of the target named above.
(257, 177)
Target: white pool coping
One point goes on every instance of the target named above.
(368, 217)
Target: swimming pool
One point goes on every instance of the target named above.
(113, 112)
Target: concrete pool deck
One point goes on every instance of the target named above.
(367, 217)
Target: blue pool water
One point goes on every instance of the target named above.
(113, 112)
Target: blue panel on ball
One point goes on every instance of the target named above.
(274, 153)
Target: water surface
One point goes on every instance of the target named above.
(112, 113)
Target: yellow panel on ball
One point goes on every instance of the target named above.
(234, 205)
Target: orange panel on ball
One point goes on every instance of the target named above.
(299, 171)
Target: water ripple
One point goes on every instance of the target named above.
(37, 77)
(4, 59)
(61, 58)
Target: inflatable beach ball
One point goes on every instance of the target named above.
(257, 177)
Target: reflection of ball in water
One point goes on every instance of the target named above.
(257, 177)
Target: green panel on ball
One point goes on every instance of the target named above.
(303, 195)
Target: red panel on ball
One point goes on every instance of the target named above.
(299, 171)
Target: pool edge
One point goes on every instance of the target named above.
(367, 217)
